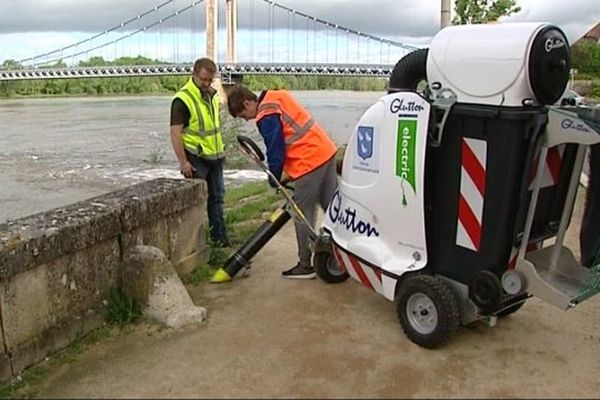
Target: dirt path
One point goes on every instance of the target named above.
(270, 337)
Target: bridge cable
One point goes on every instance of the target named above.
(287, 31)
(133, 33)
(252, 34)
(327, 23)
(116, 27)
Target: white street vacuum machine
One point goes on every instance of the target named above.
(454, 201)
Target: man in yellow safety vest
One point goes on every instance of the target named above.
(197, 141)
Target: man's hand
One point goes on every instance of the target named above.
(187, 169)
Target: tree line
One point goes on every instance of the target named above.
(166, 84)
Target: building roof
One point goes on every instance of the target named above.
(592, 35)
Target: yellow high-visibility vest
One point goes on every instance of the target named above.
(202, 137)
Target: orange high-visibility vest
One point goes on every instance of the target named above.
(307, 145)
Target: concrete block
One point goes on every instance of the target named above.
(54, 339)
(152, 200)
(187, 231)
(80, 281)
(154, 233)
(150, 279)
(25, 305)
(40, 238)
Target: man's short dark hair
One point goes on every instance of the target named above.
(236, 96)
(205, 63)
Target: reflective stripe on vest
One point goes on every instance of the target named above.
(307, 145)
(299, 130)
(202, 115)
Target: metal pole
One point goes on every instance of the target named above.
(445, 13)
(568, 208)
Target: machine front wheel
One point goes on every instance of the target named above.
(327, 267)
(427, 310)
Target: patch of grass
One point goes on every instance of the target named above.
(155, 156)
(25, 386)
(244, 230)
(234, 195)
(250, 210)
(217, 255)
(245, 206)
(201, 274)
(120, 308)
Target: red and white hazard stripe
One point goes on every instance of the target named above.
(472, 193)
(551, 171)
(359, 271)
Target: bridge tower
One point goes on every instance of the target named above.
(211, 29)
(212, 25)
(231, 31)
(445, 17)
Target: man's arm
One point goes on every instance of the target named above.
(179, 118)
(271, 130)
(177, 143)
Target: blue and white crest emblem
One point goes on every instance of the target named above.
(365, 142)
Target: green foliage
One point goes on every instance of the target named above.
(11, 64)
(240, 193)
(585, 57)
(120, 308)
(201, 274)
(320, 82)
(167, 84)
(594, 90)
(482, 11)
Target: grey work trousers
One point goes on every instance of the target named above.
(310, 190)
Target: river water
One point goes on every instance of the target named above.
(58, 151)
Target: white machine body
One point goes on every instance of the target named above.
(490, 63)
(376, 218)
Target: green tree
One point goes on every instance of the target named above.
(585, 58)
(95, 61)
(483, 11)
(11, 64)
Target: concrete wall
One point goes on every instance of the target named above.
(56, 267)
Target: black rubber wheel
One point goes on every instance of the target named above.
(511, 309)
(327, 267)
(427, 310)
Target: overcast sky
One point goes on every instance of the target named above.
(28, 28)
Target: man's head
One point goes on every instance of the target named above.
(204, 73)
(242, 102)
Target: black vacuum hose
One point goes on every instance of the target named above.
(409, 71)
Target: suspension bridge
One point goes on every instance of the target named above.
(271, 38)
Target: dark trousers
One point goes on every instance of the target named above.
(212, 172)
(589, 235)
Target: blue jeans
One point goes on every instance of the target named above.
(212, 172)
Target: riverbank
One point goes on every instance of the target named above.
(169, 84)
(268, 337)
